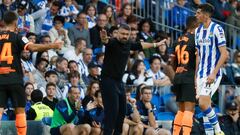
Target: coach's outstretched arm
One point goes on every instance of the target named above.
(43, 47)
(223, 57)
(146, 45)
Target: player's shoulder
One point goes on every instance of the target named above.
(218, 28)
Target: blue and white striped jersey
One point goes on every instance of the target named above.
(208, 40)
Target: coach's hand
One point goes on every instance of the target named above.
(211, 78)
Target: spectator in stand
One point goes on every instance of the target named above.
(138, 91)
(90, 11)
(233, 19)
(38, 110)
(44, 18)
(50, 99)
(59, 33)
(26, 61)
(32, 37)
(94, 74)
(39, 73)
(133, 22)
(6, 5)
(98, 4)
(179, 14)
(66, 111)
(163, 50)
(109, 12)
(61, 70)
(53, 62)
(83, 63)
(148, 115)
(113, 31)
(132, 122)
(43, 55)
(236, 67)
(95, 31)
(69, 11)
(222, 9)
(147, 34)
(28, 90)
(232, 6)
(95, 114)
(25, 20)
(74, 80)
(73, 66)
(76, 53)
(50, 76)
(231, 120)
(126, 12)
(100, 59)
(138, 75)
(195, 3)
(45, 39)
(91, 90)
(80, 29)
(159, 78)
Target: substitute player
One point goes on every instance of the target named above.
(185, 61)
(11, 75)
(211, 45)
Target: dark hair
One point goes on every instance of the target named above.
(9, 17)
(89, 6)
(123, 7)
(60, 60)
(57, 3)
(40, 60)
(97, 92)
(72, 61)
(191, 22)
(73, 74)
(50, 84)
(44, 36)
(207, 8)
(50, 72)
(79, 39)
(99, 55)
(70, 89)
(161, 35)
(238, 7)
(36, 96)
(112, 29)
(112, 19)
(132, 19)
(59, 18)
(89, 88)
(124, 26)
(28, 83)
(39, 55)
(147, 20)
(138, 91)
(135, 66)
(145, 88)
(152, 58)
(30, 34)
(82, 12)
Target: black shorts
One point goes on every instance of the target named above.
(55, 131)
(15, 92)
(185, 92)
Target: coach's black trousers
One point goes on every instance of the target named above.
(114, 101)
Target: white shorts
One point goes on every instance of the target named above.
(207, 90)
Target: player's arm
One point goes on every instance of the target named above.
(222, 59)
(197, 62)
(43, 47)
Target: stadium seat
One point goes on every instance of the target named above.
(165, 116)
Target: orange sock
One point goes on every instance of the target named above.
(177, 123)
(21, 124)
(187, 122)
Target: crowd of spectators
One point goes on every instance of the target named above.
(55, 78)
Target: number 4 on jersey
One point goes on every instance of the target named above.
(6, 53)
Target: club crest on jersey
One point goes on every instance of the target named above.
(211, 34)
(205, 42)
